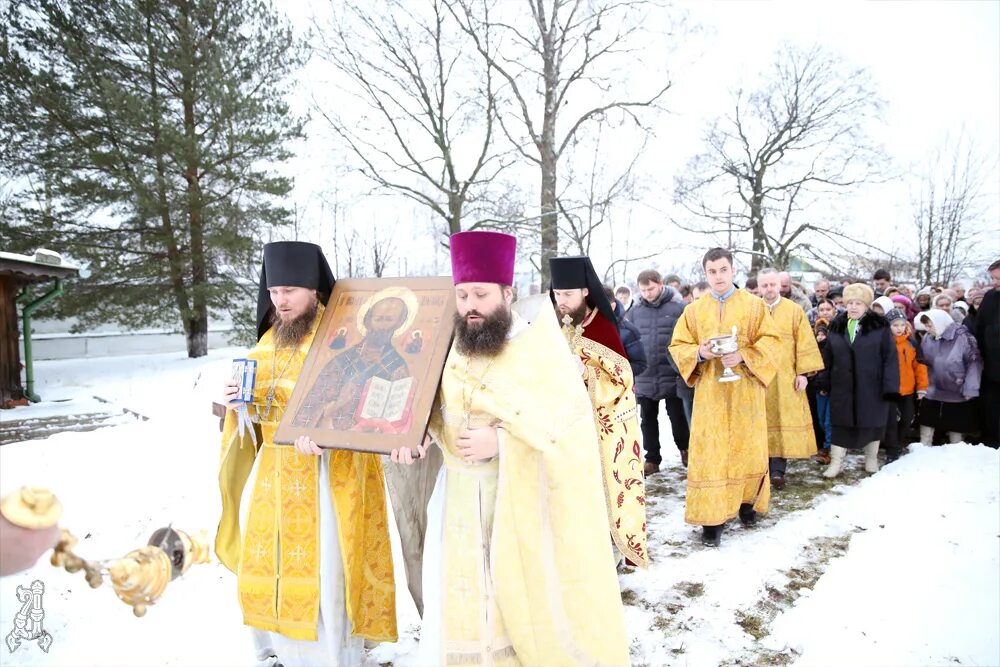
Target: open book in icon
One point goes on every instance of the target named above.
(385, 405)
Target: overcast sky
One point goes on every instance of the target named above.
(936, 64)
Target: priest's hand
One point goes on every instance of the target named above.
(230, 394)
(405, 455)
(732, 359)
(20, 548)
(305, 445)
(705, 351)
(801, 382)
(478, 444)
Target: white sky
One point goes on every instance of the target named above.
(937, 65)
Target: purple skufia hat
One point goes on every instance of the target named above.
(483, 257)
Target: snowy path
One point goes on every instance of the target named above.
(902, 568)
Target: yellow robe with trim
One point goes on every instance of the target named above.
(609, 381)
(727, 455)
(528, 573)
(278, 565)
(790, 432)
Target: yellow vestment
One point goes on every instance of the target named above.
(528, 576)
(609, 381)
(278, 565)
(790, 432)
(727, 462)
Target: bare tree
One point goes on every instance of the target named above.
(949, 211)
(426, 124)
(796, 143)
(583, 47)
(350, 246)
(381, 249)
(588, 200)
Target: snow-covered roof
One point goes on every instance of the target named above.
(43, 264)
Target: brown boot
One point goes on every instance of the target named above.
(823, 456)
(650, 468)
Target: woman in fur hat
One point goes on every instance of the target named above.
(955, 368)
(861, 376)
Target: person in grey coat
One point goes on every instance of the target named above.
(954, 372)
(655, 313)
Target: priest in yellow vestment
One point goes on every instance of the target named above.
(790, 432)
(727, 456)
(313, 562)
(518, 567)
(592, 334)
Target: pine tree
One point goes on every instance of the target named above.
(144, 134)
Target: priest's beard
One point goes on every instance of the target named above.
(578, 315)
(486, 339)
(291, 333)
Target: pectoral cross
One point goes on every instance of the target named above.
(568, 322)
(269, 399)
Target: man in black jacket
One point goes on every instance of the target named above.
(631, 340)
(987, 332)
(655, 313)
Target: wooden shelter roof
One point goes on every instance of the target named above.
(43, 265)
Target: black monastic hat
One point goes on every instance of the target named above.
(291, 264)
(576, 273)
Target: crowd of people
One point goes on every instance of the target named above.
(899, 364)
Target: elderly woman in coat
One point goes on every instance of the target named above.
(955, 369)
(861, 376)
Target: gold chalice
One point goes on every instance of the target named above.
(724, 345)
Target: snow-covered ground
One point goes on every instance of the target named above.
(900, 568)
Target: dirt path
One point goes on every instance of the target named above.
(698, 603)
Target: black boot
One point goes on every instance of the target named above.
(748, 515)
(711, 536)
(684, 457)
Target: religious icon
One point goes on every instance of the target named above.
(416, 342)
(357, 391)
(340, 341)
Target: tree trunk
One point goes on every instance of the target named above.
(197, 331)
(454, 212)
(550, 221)
(174, 259)
(757, 225)
(549, 159)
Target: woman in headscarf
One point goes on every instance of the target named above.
(955, 368)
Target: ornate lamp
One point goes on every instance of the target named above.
(139, 578)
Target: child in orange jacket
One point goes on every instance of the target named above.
(912, 385)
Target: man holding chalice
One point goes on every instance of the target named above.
(726, 346)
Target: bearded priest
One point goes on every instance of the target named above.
(313, 562)
(590, 329)
(518, 568)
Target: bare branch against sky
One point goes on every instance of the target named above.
(799, 138)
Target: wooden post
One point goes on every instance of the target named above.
(10, 356)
